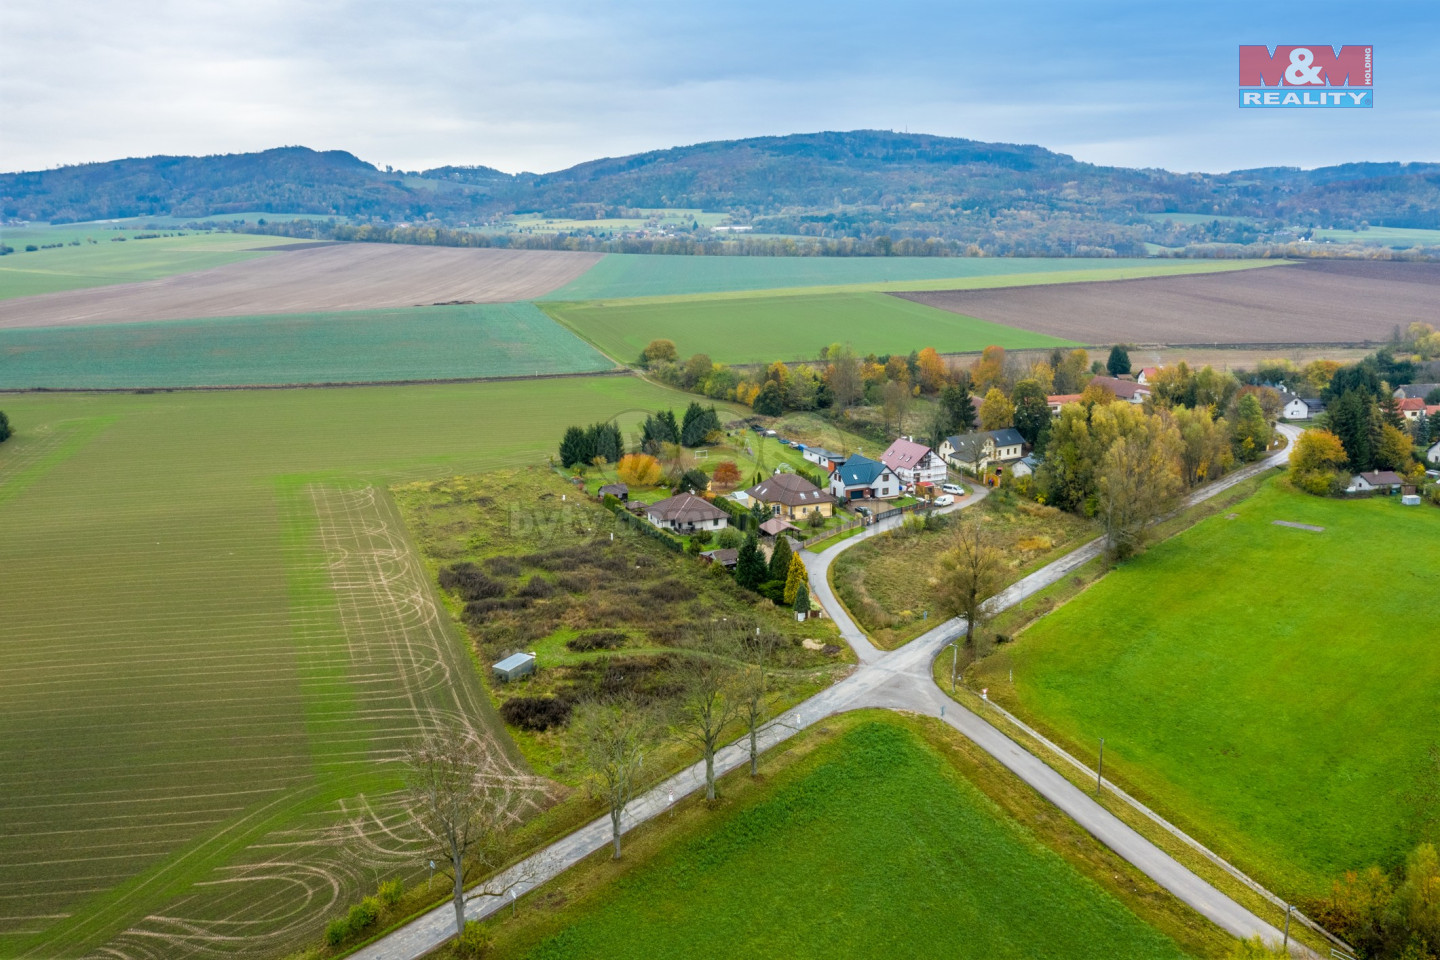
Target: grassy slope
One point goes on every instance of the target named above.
(417, 343)
(206, 628)
(814, 861)
(1269, 689)
(761, 329)
(107, 261)
(635, 275)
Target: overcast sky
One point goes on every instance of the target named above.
(540, 86)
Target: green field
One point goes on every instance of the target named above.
(1270, 689)
(762, 329)
(214, 633)
(872, 845)
(108, 260)
(411, 343)
(1398, 237)
(621, 275)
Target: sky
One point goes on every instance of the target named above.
(540, 86)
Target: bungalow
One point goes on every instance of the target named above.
(860, 478)
(976, 451)
(686, 513)
(1058, 400)
(619, 491)
(727, 557)
(1127, 390)
(914, 462)
(826, 458)
(1421, 390)
(1382, 481)
(793, 497)
(1025, 466)
(1412, 408)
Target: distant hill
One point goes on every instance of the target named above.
(863, 184)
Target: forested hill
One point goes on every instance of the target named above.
(852, 184)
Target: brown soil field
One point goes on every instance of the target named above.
(1311, 302)
(313, 278)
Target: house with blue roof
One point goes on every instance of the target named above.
(860, 478)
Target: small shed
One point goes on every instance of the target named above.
(776, 526)
(620, 491)
(1411, 499)
(515, 666)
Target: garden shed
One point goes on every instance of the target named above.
(515, 666)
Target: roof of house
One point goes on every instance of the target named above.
(776, 525)
(618, 489)
(1124, 389)
(1062, 398)
(1421, 390)
(1149, 372)
(860, 471)
(790, 489)
(904, 454)
(969, 446)
(686, 508)
(1031, 461)
(1380, 478)
(725, 556)
(1009, 437)
(824, 454)
(514, 660)
(1431, 409)
(1412, 403)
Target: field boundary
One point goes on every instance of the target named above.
(326, 385)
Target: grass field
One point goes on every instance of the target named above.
(1398, 237)
(1269, 689)
(108, 260)
(414, 343)
(868, 843)
(762, 329)
(621, 275)
(214, 634)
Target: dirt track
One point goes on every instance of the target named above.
(1312, 302)
(350, 276)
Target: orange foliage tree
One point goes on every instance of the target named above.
(639, 469)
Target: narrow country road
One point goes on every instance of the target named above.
(899, 679)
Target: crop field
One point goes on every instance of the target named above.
(1399, 238)
(1290, 732)
(306, 278)
(215, 637)
(110, 260)
(621, 275)
(871, 844)
(762, 329)
(1316, 301)
(414, 343)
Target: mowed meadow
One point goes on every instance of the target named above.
(215, 638)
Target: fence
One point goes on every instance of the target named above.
(644, 526)
(851, 525)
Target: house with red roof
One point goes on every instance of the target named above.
(914, 462)
(1413, 408)
(1058, 400)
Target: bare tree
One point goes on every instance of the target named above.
(708, 705)
(896, 404)
(465, 796)
(752, 687)
(614, 738)
(971, 571)
(844, 378)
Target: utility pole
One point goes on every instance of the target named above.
(1100, 773)
(1288, 908)
(954, 664)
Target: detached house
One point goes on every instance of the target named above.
(1413, 408)
(1057, 400)
(793, 497)
(860, 478)
(976, 451)
(1377, 481)
(1127, 390)
(1433, 454)
(686, 513)
(1296, 408)
(914, 462)
(828, 459)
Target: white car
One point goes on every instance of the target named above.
(954, 488)
(944, 500)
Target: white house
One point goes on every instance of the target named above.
(1433, 454)
(976, 451)
(914, 462)
(828, 459)
(1412, 408)
(1376, 481)
(686, 513)
(1025, 466)
(860, 478)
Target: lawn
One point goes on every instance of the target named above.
(637, 275)
(762, 329)
(866, 842)
(214, 633)
(1398, 237)
(366, 346)
(888, 582)
(110, 260)
(1269, 689)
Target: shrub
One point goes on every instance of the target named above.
(4, 427)
(729, 539)
(671, 590)
(537, 587)
(639, 469)
(469, 582)
(391, 891)
(597, 640)
(473, 942)
(503, 566)
(362, 915)
(702, 537)
(337, 931)
(536, 714)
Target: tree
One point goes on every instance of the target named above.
(802, 599)
(843, 377)
(1316, 460)
(658, 350)
(896, 404)
(1349, 419)
(1032, 410)
(989, 369)
(996, 411)
(931, 370)
(794, 578)
(959, 409)
(1394, 451)
(708, 704)
(1138, 481)
(753, 687)
(576, 447)
(1072, 373)
(1251, 432)
(1205, 451)
(697, 371)
(726, 475)
(465, 796)
(770, 401)
(4, 427)
(613, 739)
(639, 469)
(750, 567)
(1119, 363)
(693, 480)
(780, 559)
(698, 424)
(605, 442)
(971, 571)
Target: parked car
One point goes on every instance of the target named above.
(862, 511)
(944, 500)
(954, 488)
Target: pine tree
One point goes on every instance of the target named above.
(802, 599)
(1119, 362)
(780, 559)
(1350, 421)
(575, 447)
(750, 568)
(5, 427)
(795, 578)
